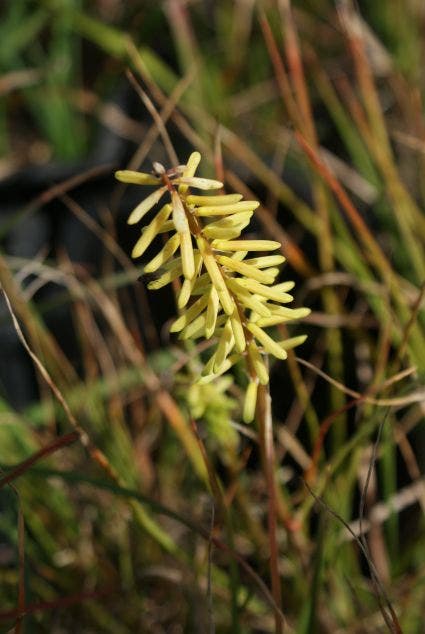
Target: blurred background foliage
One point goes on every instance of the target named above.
(129, 516)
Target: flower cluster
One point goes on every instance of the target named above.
(224, 293)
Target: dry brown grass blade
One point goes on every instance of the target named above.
(103, 235)
(260, 170)
(167, 110)
(165, 402)
(415, 397)
(156, 117)
(181, 122)
(409, 217)
(96, 454)
(18, 79)
(58, 443)
(411, 323)
(114, 248)
(110, 115)
(295, 65)
(302, 117)
(375, 251)
(280, 71)
(41, 339)
(70, 183)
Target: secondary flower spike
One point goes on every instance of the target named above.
(224, 294)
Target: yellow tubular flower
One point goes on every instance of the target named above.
(145, 206)
(225, 345)
(245, 269)
(250, 402)
(238, 331)
(187, 286)
(201, 201)
(247, 245)
(258, 363)
(149, 233)
(224, 294)
(226, 210)
(212, 312)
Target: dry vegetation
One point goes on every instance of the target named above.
(132, 498)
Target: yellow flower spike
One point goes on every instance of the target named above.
(136, 178)
(150, 232)
(192, 164)
(258, 363)
(146, 205)
(226, 199)
(212, 312)
(245, 245)
(269, 344)
(225, 293)
(250, 403)
(164, 255)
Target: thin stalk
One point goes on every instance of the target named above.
(264, 418)
(225, 517)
